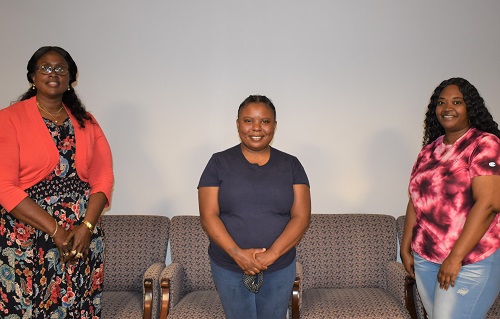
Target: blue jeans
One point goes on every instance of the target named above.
(476, 288)
(271, 302)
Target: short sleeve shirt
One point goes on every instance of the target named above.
(254, 201)
(441, 191)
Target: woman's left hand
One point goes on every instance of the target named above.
(79, 241)
(448, 272)
(482, 214)
(266, 258)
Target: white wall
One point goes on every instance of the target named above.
(350, 79)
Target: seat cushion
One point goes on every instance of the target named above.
(351, 303)
(198, 304)
(121, 304)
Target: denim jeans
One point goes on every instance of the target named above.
(476, 288)
(271, 302)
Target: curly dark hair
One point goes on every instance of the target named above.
(479, 116)
(258, 99)
(70, 99)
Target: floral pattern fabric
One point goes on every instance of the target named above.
(33, 282)
(441, 191)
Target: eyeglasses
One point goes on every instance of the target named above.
(48, 69)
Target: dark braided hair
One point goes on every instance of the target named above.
(258, 99)
(479, 116)
(70, 99)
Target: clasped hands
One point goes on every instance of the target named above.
(254, 260)
(73, 245)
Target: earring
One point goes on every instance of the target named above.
(69, 88)
(33, 86)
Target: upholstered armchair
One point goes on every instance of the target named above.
(347, 269)
(413, 300)
(188, 290)
(135, 248)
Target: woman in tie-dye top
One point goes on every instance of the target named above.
(452, 229)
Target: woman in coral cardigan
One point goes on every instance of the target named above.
(55, 179)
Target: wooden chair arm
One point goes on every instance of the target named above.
(165, 298)
(410, 297)
(148, 298)
(296, 299)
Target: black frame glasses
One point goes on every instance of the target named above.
(48, 69)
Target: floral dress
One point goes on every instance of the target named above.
(33, 283)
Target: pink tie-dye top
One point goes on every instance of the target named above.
(440, 188)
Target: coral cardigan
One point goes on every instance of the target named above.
(29, 154)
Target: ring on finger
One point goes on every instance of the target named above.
(79, 255)
(74, 252)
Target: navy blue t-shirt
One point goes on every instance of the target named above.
(254, 201)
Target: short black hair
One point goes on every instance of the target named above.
(257, 99)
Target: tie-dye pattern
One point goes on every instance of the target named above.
(440, 188)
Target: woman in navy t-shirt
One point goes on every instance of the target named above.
(255, 206)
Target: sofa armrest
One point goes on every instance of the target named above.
(172, 288)
(401, 286)
(151, 291)
(396, 274)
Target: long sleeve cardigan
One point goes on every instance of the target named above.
(28, 153)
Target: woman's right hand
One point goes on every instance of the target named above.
(208, 199)
(406, 252)
(64, 250)
(408, 263)
(245, 258)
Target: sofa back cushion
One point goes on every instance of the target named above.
(347, 250)
(189, 247)
(132, 243)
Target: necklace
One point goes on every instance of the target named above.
(54, 116)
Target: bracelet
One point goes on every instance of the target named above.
(55, 231)
(89, 226)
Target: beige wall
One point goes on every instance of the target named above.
(350, 80)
